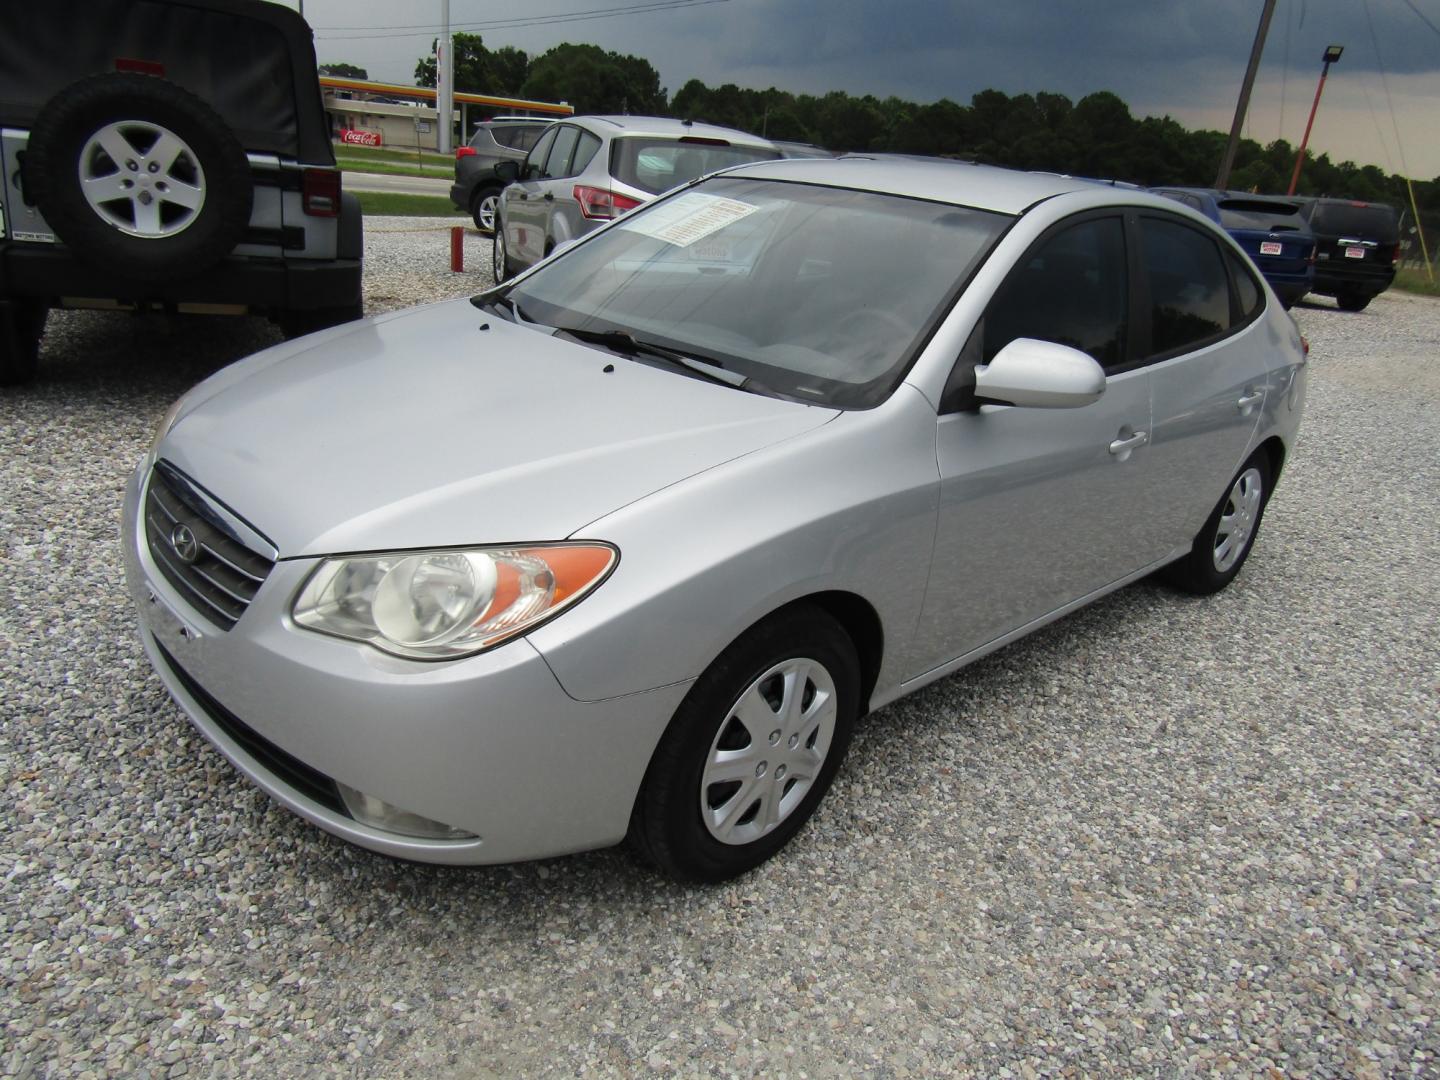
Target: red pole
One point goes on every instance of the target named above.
(1300, 157)
(457, 248)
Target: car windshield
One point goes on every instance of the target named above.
(817, 293)
(656, 163)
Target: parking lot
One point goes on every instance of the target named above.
(1166, 835)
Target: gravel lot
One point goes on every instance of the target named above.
(1165, 836)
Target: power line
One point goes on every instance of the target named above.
(370, 33)
(1385, 82)
(1422, 16)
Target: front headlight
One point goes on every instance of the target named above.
(438, 605)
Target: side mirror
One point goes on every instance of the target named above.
(508, 171)
(1039, 375)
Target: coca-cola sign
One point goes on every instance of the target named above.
(360, 138)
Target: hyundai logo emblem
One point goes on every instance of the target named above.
(184, 543)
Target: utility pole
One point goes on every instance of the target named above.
(1332, 53)
(445, 79)
(1222, 178)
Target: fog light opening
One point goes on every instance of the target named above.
(378, 814)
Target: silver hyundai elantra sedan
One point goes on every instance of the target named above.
(626, 547)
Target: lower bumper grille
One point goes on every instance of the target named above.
(306, 780)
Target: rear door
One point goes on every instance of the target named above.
(1209, 356)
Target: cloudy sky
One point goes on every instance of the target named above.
(1184, 58)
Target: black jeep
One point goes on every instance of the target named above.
(168, 155)
(1356, 245)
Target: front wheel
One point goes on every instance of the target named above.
(1353, 301)
(1224, 542)
(751, 750)
(499, 265)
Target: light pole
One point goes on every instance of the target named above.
(1332, 53)
(1227, 160)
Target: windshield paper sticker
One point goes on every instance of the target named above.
(689, 217)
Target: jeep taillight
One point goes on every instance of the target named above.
(599, 203)
(1395, 255)
(320, 193)
(464, 151)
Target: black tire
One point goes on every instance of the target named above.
(668, 828)
(299, 323)
(22, 324)
(1353, 301)
(499, 263)
(485, 199)
(1204, 570)
(135, 111)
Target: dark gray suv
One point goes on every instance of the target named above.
(477, 188)
(173, 157)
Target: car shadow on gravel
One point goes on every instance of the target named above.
(121, 355)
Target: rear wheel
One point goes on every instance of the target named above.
(751, 750)
(22, 324)
(482, 208)
(1352, 301)
(1224, 542)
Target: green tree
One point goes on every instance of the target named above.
(477, 69)
(343, 71)
(596, 81)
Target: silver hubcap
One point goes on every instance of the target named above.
(1237, 520)
(499, 257)
(486, 212)
(768, 752)
(142, 178)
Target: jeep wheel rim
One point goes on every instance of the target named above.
(142, 179)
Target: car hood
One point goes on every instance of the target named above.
(445, 426)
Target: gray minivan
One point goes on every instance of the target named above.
(590, 169)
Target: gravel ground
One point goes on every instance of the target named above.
(1165, 836)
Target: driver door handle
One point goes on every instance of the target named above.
(1119, 446)
(1253, 398)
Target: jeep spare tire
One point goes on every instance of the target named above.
(139, 176)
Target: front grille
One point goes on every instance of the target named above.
(293, 772)
(223, 576)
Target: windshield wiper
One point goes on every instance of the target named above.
(627, 344)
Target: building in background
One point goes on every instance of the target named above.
(385, 114)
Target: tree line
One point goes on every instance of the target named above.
(1095, 136)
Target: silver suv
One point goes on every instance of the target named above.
(178, 161)
(477, 188)
(590, 169)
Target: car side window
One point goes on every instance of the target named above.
(584, 152)
(1247, 290)
(504, 136)
(527, 137)
(558, 163)
(1072, 289)
(1189, 288)
(536, 158)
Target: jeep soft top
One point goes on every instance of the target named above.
(172, 154)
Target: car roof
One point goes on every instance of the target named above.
(664, 125)
(984, 187)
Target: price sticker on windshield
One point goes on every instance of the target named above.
(688, 218)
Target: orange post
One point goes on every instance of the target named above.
(457, 249)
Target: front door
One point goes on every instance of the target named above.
(1040, 507)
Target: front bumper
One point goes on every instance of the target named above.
(490, 744)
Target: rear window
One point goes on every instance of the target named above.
(1255, 214)
(1369, 221)
(656, 164)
